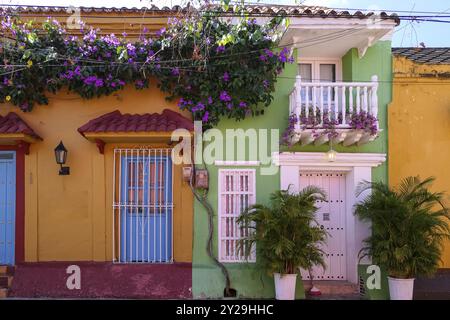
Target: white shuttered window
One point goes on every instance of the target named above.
(236, 193)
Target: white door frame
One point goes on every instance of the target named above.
(358, 167)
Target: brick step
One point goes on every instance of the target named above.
(7, 270)
(354, 296)
(333, 287)
(6, 278)
(5, 281)
(3, 293)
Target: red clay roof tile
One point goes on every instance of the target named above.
(115, 121)
(12, 123)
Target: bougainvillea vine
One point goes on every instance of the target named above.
(213, 67)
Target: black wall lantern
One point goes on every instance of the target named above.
(61, 156)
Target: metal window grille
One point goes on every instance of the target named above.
(236, 193)
(142, 206)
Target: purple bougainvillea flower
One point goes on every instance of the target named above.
(242, 104)
(24, 106)
(224, 96)
(160, 32)
(99, 83)
(205, 117)
(284, 55)
(220, 49)
(268, 53)
(131, 49)
(265, 84)
(90, 80)
(176, 71)
(182, 102)
(124, 34)
(90, 36)
(121, 82)
(226, 77)
(210, 100)
(199, 106)
(263, 58)
(139, 84)
(77, 71)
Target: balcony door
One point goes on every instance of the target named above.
(319, 71)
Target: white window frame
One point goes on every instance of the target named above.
(315, 66)
(252, 200)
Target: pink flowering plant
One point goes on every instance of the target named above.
(364, 121)
(212, 67)
(327, 123)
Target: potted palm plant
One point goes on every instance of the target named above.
(409, 224)
(286, 236)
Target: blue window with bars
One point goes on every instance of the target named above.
(144, 205)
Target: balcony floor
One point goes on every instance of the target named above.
(347, 137)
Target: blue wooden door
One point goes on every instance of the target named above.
(146, 212)
(7, 206)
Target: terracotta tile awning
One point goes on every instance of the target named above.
(116, 122)
(13, 129)
(118, 127)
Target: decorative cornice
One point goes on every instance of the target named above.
(319, 159)
(236, 163)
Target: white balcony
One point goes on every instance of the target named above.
(343, 112)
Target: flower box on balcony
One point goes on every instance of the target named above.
(343, 112)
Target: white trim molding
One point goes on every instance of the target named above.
(236, 163)
(319, 159)
(236, 189)
(357, 168)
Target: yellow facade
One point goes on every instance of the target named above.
(69, 218)
(419, 126)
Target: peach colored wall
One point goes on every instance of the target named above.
(68, 218)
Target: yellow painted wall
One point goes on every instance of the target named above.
(419, 126)
(69, 218)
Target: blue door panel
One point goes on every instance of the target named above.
(146, 228)
(7, 206)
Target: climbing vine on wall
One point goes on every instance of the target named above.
(214, 66)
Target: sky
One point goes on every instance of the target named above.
(432, 34)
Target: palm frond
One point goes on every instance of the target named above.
(409, 224)
(285, 232)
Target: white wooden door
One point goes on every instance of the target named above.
(331, 217)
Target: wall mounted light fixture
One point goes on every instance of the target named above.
(331, 154)
(61, 157)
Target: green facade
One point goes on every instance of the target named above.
(247, 278)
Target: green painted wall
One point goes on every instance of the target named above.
(248, 279)
(374, 294)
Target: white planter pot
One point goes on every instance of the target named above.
(401, 289)
(285, 286)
